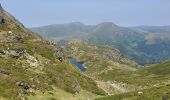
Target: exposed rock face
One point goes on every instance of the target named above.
(59, 54)
(31, 60)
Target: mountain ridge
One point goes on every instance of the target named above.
(139, 45)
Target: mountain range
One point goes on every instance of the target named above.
(145, 44)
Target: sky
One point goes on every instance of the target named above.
(34, 13)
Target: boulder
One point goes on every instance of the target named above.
(14, 53)
(77, 88)
(31, 60)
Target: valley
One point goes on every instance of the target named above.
(117, 75)
(83, 62)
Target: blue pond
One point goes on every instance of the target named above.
(79, 65)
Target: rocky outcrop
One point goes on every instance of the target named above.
(33, 62)
(59, 54)
(14, 53)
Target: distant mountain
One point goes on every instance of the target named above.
(64, 31)
(143, 46)
(154, 29)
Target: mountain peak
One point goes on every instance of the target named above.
(111, 24)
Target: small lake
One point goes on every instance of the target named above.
(79, 65)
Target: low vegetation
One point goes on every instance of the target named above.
(117, 76)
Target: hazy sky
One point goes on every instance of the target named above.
(122, 12)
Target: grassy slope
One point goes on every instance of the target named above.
(59, 94)
(50, 71)
(101, 64)
(160, 73)
(125, 77)
(156, 93)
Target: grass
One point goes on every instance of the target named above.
(155, 93)
(60, 94)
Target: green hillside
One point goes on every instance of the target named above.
(115, 73)
(30, 66)
(156, 92)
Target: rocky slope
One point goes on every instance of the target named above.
(32, 66)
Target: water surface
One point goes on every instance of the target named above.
(79, 65)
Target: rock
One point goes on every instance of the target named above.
(17, 83)
(60, 59)
(10, 32)
(33, 86)
(77, 88)
(23, 85)
(26, 87)
(31, 90)
(59, 54)
(20, 84)
(32, 60)
(14, 53)
(140, 92)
